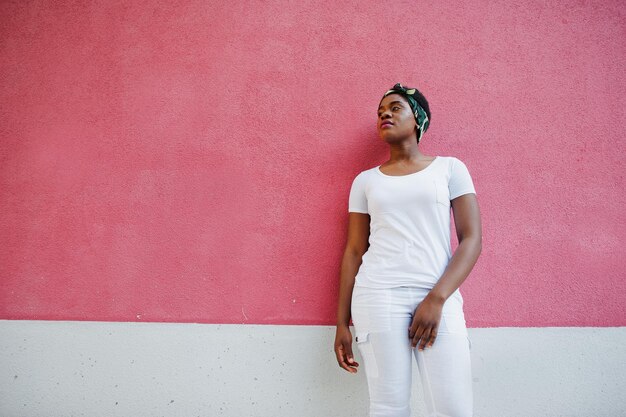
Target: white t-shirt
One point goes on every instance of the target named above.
(409, 242)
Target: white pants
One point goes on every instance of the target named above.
(381, 319)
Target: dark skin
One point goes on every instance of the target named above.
(406, 158)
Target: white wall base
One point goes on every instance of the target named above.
(55, 368)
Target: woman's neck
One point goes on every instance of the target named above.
(406, 152)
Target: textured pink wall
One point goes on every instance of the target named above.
(188, 161)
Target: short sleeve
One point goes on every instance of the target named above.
(460, 180)
(357, 203)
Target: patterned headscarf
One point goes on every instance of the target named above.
(418, 112)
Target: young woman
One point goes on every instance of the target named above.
(399, 279)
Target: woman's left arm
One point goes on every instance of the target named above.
(427, 315)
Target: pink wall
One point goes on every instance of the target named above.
(191, 162)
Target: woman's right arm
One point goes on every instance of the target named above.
(357, 243)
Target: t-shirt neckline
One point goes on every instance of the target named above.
(407, 175)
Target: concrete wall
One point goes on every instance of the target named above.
(190, 161)
(154, 369)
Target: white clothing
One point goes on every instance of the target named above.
(409, 249)
(409, 243)
(381, 320)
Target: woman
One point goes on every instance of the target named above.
(399, 279)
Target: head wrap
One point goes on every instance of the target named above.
(418, 112)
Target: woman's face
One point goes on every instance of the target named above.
(395, 119)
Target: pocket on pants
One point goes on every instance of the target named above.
(452, 324)
(364, 344)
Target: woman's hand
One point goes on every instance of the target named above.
(425, 322)
(343, 349)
